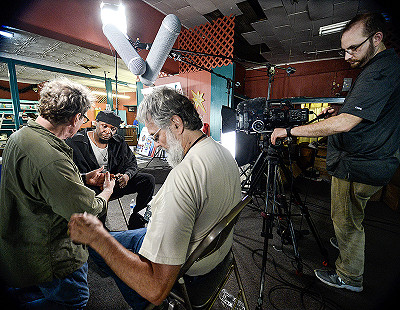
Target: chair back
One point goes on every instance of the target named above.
(216, 237)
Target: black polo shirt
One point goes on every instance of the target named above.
(369, 153)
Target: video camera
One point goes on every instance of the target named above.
(259, 115)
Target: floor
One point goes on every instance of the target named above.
(284, 287)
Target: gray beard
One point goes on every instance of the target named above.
(175, 150)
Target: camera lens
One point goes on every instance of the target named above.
(258, 125)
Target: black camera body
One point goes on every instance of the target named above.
(259, 115)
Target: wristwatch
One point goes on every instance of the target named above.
(288, 132)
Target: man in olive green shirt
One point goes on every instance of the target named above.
(40, 189)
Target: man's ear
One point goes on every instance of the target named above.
(377, 38)
(74, 120)
(177, 124)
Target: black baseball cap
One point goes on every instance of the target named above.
(109, 117)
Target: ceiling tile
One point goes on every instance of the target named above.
(202, 6)
(253, 37)
(227, 8)
(186, 12)
(320, 9)
(277, 16)
(263, 27)
(295, 6)
(163, 7)
(194, 21)
(269, 4)
(345, 10)
(300, 21)
(284, 32)
(304, 35)
(176, 4)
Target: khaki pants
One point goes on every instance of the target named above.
(348, 201)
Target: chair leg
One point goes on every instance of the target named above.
(240, 284)
(123, 213)
(188, 304)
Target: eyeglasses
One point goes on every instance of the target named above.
(86, 119)
(155, 136)
(353, 49)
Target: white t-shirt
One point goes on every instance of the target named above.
(100, 154)
(196, 195)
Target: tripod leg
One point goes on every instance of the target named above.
(267, 234)
(297, 257)
(314, 231)
(285, 210)
(304, 211)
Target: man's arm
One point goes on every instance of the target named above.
(152, 281)
(340, 123)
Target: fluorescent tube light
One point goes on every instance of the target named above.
(333, 28)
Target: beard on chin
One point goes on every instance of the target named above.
(365, 59)
(175, 150)
(103, 141)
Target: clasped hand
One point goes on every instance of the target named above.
(84, 228)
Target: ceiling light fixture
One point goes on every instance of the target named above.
(113, 12)
(333, 28)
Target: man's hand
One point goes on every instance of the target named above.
(278, 133)
(109, 182)
(95, 177)
(122, 179)
(85, 228)
(329, 111)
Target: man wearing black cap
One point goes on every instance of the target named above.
(104, 147)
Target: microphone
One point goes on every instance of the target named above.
(123, 46)
(160, 49)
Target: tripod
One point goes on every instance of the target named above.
(269, 163)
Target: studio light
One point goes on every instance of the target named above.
(333, 28)
(113, 12)
(228, 140)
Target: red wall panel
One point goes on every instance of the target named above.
(311, 79)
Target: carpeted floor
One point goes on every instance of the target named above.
(284, 288)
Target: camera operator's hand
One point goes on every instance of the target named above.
(277, 134)
(329, 111)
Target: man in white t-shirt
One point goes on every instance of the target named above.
(202, 188)
(104, 147)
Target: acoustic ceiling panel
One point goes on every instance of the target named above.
(202, 6)
(263, 27)
(253, 37)
(277, 16)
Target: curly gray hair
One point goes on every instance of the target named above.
(61, 99)
(163, 103)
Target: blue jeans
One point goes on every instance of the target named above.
(132, 240)
(71, 292)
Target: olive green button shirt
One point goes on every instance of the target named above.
(40, 189)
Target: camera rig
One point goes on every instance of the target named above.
(260, 115)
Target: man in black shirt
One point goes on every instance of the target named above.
(363, 143)
(104, 147)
